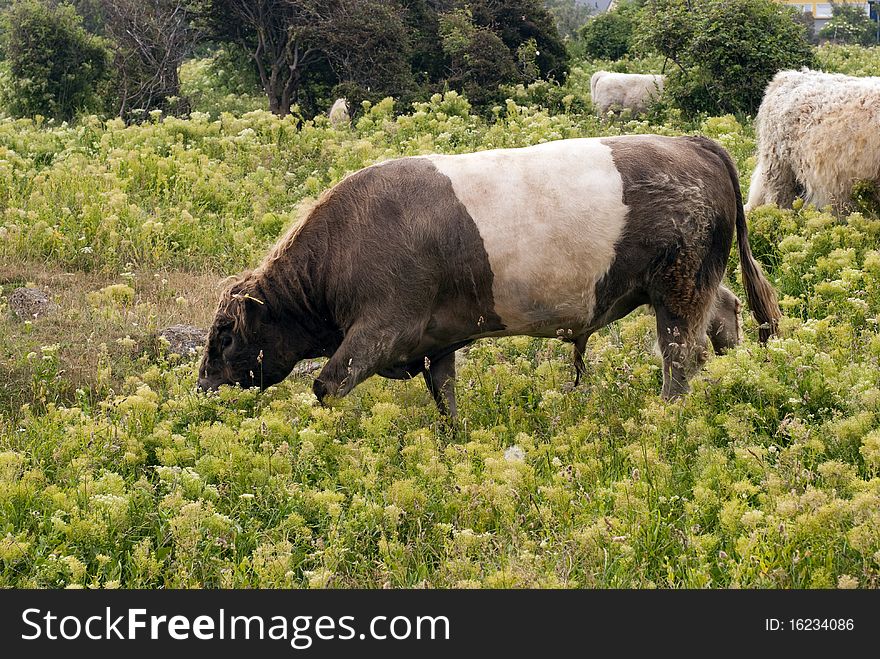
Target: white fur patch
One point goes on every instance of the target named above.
(818, 130)
(549, 216)
(621, 91)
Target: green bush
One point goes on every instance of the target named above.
(223, 81)
(726, 51)
(55, 66)
(851, 60)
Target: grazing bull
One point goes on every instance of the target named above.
(405, 262)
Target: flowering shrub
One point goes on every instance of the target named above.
(766, 475)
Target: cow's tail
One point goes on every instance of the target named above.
(759, 293)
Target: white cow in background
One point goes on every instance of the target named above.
(818, 133)
(339, 117)
(625, 91)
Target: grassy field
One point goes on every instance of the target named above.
(114, 472)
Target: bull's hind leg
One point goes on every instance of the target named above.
(682, 342)
(440, 377)
(580, 349)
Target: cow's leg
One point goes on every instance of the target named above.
(440, 377)
(682, 342)
(362, 353)
(580, 349)
(725, 327)
(757, 188)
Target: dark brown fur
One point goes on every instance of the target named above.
(376, 278)
(673, 254)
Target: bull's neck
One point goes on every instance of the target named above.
(295, 278)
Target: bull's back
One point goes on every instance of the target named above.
(534, 240)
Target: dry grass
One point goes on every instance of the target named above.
(92, 336)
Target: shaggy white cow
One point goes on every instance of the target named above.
(817, 135)
(338, 114)
(622, 91)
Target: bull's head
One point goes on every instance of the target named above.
(250, 343)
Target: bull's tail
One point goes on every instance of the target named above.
(759, 293)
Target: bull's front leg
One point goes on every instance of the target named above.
(362, 353)
(440, 377)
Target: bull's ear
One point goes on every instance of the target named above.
(251, 308)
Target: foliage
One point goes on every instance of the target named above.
(369, 51)
(282, 37)
(725, 51)
(849, 24)
(766, 475)
(55, 66)
(221, 82)
(851, 60)
(517, 22)
(609, 35)
(479, 60)
(309, 52)
(93, 14)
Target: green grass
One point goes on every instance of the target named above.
(114, 472)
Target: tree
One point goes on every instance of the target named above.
(369, 51)
(480, 62)
(609, 35)
(282, 38)
(849, 24)
(92, 12)
(151, 38)
(307, 50)
(55, 66)
(427, 59)
(725, 51)
(518, 21)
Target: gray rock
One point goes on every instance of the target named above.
(307, 367)
(31, 303)
(184, 340)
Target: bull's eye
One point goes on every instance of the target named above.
(225, 341)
